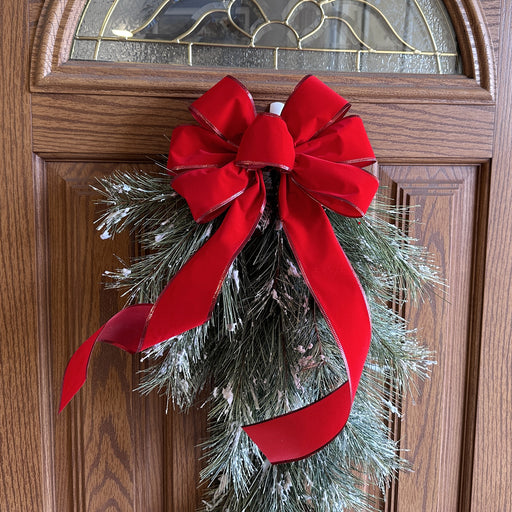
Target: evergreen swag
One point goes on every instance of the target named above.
(267, 349)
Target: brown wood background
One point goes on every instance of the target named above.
(436, 423)
(443, 142)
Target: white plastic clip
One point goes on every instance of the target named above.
(276, 108)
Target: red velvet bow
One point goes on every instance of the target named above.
(218, 167)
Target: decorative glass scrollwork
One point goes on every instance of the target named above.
(336, 35)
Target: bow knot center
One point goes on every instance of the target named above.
(266, 143)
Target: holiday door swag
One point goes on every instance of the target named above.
(220, 167)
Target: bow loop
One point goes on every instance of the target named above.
(209, 191)
(266, 143)
(343, 188)
(227, 109)
(311, 108)
(193, 147)
(344, 141)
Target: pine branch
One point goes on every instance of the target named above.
(268, 350)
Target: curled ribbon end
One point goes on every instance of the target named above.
(301, 433)
(123, 330)
(76, 371)
(65, 398)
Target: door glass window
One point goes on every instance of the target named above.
(398, 36)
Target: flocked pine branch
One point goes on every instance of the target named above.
(268, 350)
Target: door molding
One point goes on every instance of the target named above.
(53, 71)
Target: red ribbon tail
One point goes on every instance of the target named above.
(123, 330)
(340, 297)
(301, 433)
(189, 298)
(76, 370)
(186, 302)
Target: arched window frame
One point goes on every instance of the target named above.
(53, 71)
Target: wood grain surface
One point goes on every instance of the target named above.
(493, 446)
(21, 472)
(81, 124)
(435, 425)
(114, 449)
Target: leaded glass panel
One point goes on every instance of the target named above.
(400, 36)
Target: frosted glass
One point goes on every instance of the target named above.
(399, 63)
(397, 36)
(132, 51)
(312, 61)
(218, 56)
(82, 50)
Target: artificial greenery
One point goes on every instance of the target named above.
(267, 349)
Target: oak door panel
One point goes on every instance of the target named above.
(114, 450)
(447, 217)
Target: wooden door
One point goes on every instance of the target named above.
(443, 142)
